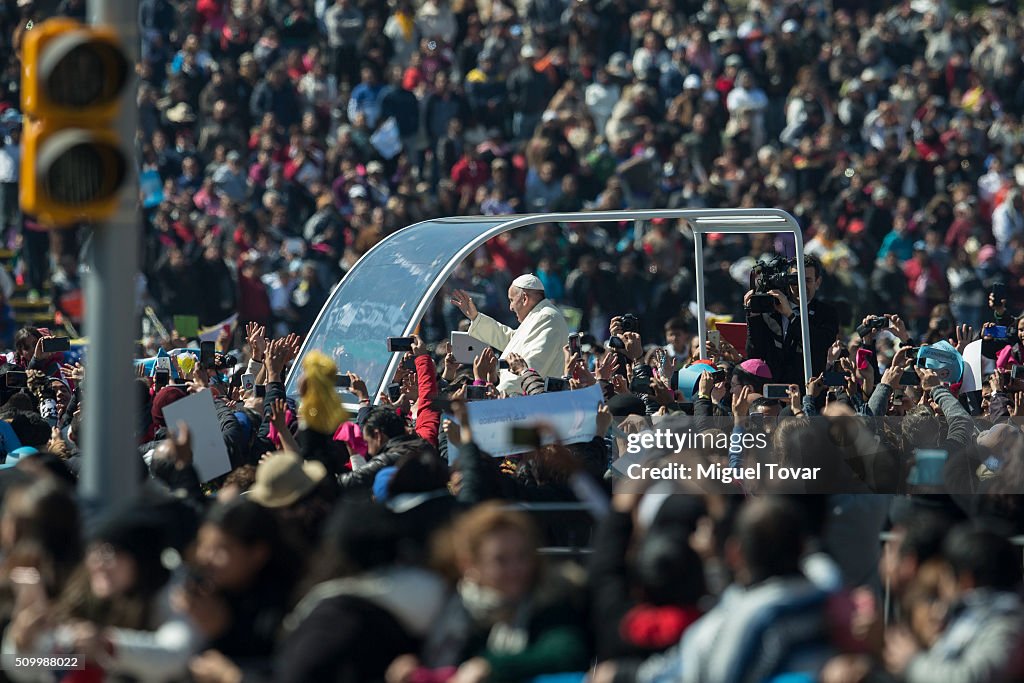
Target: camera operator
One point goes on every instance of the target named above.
(774, 335)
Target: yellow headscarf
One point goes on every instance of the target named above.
(319, 406)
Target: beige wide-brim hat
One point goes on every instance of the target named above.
(283, 478)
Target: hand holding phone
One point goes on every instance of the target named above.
(399, 344)
(56, 344)
(575, 344)
(207, 355)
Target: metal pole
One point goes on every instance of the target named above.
(111, 467)
(702, 320)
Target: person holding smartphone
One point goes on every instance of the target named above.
(30, 352)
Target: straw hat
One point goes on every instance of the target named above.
(284, 478)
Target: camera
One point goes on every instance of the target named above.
(774, 274)
(875, 322)
(629, 323)
(766, 276)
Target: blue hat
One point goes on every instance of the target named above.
(944, 359)
(380, 484)
(688, 378)
(16, 455)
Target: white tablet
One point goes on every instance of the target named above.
(466, 348)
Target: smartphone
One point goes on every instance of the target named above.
(55, 344)
(207, 354)
(552, 384)
(409, 364)
(16, 379)
(261, 391)
(718, 376)
(524, 436)
(835, 379)
(394, 391)
(575, 344)
(162, 371)
(502, 364)
(998, 291)
(342, 381)
(776, 391)
(997, 331)
(1016, 371)
(714, 339)
(399, 344)
(909, 378)
(476, 392)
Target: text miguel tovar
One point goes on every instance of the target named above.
(720, 473)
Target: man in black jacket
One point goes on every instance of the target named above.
(386, 441)
(775, 337)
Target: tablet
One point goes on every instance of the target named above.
(466, 348)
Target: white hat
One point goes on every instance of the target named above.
(790, 26)
(528, 281)
(691, 82)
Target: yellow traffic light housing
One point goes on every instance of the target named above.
(73, 163)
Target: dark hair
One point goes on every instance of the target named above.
(31, 429)
(770, 532)
(810, 261)
(990, 559)
(670, 572)
(921, 428)
(46, 520)
(677, 323)
(252, 524)
(25, 339)
(418, 470)
(924, 535)
(384, 420)
(359, 536)
(764, 403)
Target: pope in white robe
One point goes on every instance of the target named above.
(539, 339)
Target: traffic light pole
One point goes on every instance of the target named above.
(110, 466)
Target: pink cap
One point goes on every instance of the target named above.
(757, 368)
(986, 253)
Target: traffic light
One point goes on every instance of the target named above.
(73, 163)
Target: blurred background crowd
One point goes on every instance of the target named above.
(281, 139)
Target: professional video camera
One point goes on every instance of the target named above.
(766, 276)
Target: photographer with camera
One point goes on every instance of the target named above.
(773, 319)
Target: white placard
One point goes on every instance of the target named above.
(209, 452)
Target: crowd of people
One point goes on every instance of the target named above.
(279, 140)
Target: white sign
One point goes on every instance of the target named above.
(572, 414)
(973, 368)
(209, 452)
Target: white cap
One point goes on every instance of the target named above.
(691, 82)
(528, 281)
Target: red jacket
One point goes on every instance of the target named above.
(428, 419)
